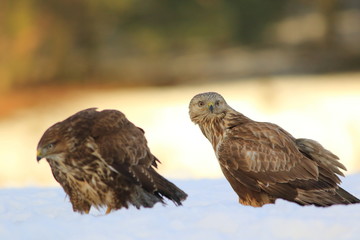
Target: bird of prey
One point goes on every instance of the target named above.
(101, 159)
(263, 162)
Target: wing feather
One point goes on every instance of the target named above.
(265, 152)
(124, 147)
(316, 151)
(119, 141)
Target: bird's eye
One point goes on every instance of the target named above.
(200, 103)
(50, 146)
(217, 103)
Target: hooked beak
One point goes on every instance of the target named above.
(211, 107)
(38, 155)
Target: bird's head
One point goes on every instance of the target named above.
(50, 145)
(206, 106)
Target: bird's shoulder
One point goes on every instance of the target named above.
(100, 123)
(261, 133)
(118, 141)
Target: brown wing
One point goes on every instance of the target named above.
(124, 147)
(329, 165)
(114, 139)
(264, 154)
(119, 141)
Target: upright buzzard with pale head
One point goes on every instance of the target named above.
(101, 159)
(263, 162)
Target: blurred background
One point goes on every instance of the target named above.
(292, 62)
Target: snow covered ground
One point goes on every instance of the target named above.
(210, 212)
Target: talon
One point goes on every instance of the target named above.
(108, 210)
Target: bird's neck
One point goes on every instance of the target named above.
(215, 128)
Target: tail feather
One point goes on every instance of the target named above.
(142, 198)
(347, 196)
(325, 198)
(167, 189)
(153, 188)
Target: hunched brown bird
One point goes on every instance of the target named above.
(101, 159)
(263, 162)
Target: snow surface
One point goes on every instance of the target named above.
(210, 212)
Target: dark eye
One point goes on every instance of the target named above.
(217, 103)
(200, 103)
(50, 146)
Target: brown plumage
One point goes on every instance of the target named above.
(102, 159)
(263, 162)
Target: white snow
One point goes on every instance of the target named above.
(210, 212)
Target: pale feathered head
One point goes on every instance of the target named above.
(207, 105)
